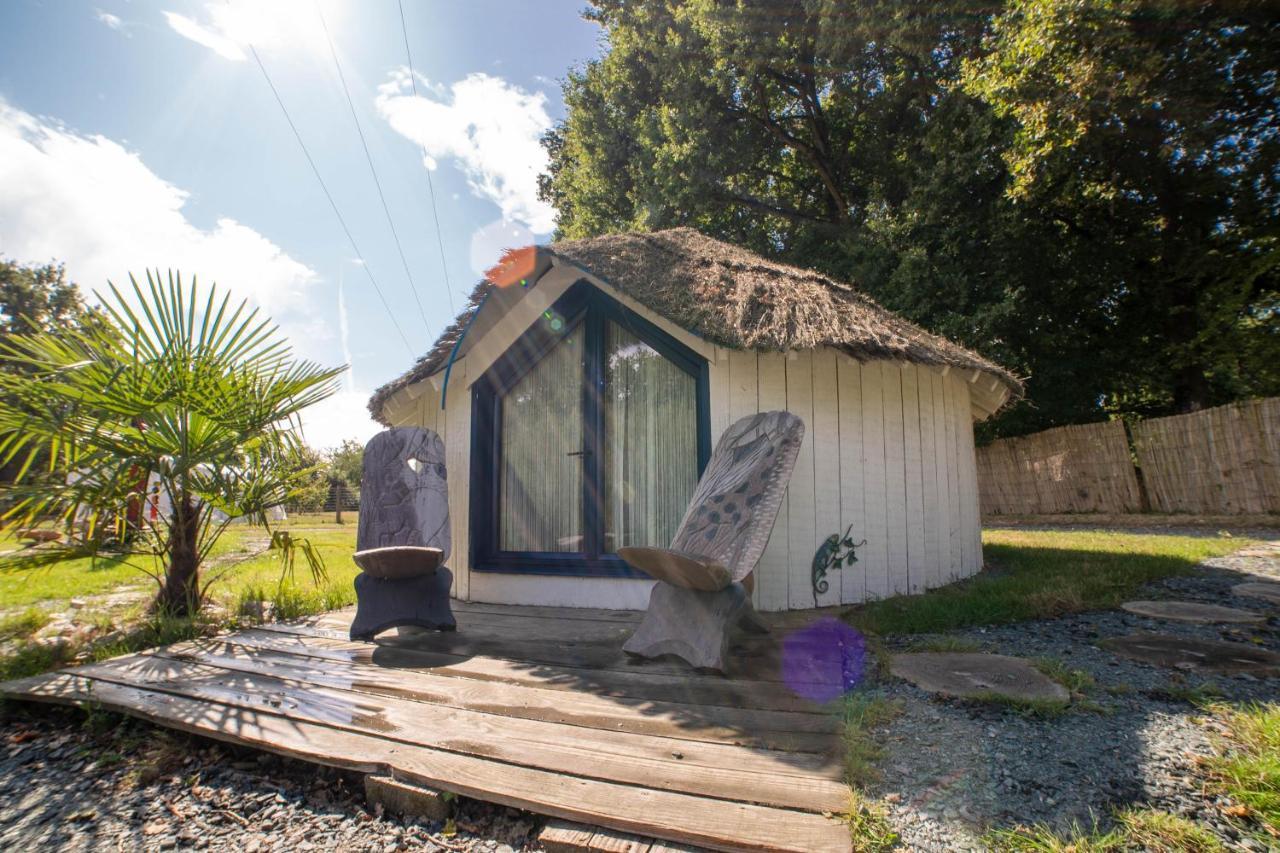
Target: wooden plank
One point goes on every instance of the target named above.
(609, 841)
(827, 459)
(743, 401)
(931, 576)
(773, 573)
(720, 386)
(955, 399)
(562, 836)
(743, 726)
(718, 824)
(636, 685)
(972, 523)
(558, 614)
(757, 657)
(791, 780)
(802, 531)
(876, 555)
(458, 454)
(913, 468)
(853, 579)
(942, 460)
(895, 481)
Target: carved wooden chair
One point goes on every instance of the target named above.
(705, 577)
(403, 538)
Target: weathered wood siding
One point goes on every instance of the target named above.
(888, 449)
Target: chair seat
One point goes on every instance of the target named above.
(399, 561)
(678, 568)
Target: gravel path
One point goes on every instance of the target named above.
(110, 783)
(950, 770)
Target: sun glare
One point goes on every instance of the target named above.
(278, 26)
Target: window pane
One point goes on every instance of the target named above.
(540, 493)
(650, 442)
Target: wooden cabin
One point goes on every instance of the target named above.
(581, 392)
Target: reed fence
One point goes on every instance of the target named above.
(1219, 461)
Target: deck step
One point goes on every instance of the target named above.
(562, 836)
(405, 798)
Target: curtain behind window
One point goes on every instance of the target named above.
(540, 502)
(650, 442)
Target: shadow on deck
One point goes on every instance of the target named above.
(532, 707)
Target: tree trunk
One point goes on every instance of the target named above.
(180, 594)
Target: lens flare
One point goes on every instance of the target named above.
(824, 660)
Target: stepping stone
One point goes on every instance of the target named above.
(1265, 591)
(971, 675)
(1193, 611)
(1191, 654)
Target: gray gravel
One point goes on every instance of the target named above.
(953, 770)
(110, 783)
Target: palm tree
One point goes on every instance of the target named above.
(156, 428)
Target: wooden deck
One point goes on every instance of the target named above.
(535, 708)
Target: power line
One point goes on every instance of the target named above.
(372, 171)
(413, 81)
(333, 204)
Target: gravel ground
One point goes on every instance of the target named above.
(108, 783)
(953, 769)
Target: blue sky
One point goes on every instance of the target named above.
(142, 134)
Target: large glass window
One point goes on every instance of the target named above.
(540, 496)
(650, 442)
(588, 435)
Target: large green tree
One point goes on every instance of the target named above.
(867, 140)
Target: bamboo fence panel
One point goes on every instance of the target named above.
(1071, 469)
(1219, 461)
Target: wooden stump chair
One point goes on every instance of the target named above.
(403, 538)
(705, 577)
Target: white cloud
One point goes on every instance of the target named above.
(209, 37)
(93, 204)
(112, 21)
(492, 128)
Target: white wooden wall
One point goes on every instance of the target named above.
(888, 449)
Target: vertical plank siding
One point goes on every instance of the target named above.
(888, 449)
(853, 513)
(773, 573)
(876, 551)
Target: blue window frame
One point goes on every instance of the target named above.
(586, 309)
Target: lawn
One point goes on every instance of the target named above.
(1036, 574)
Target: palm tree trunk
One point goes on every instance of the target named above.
(180, 594)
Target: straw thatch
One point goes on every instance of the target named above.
(733, 298)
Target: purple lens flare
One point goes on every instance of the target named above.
(823, 660)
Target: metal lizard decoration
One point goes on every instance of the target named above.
(836, 551)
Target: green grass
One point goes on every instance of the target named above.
(864, 712)
(1042, 708)
(944, 644)
(1075, 680)
(243, 577)
(1135, 829)
(1036, 574)
(869, 827)
(20, 625)
(1247, 766)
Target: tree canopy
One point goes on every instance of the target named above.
(1084, 190)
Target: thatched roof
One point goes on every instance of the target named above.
(733, 298)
